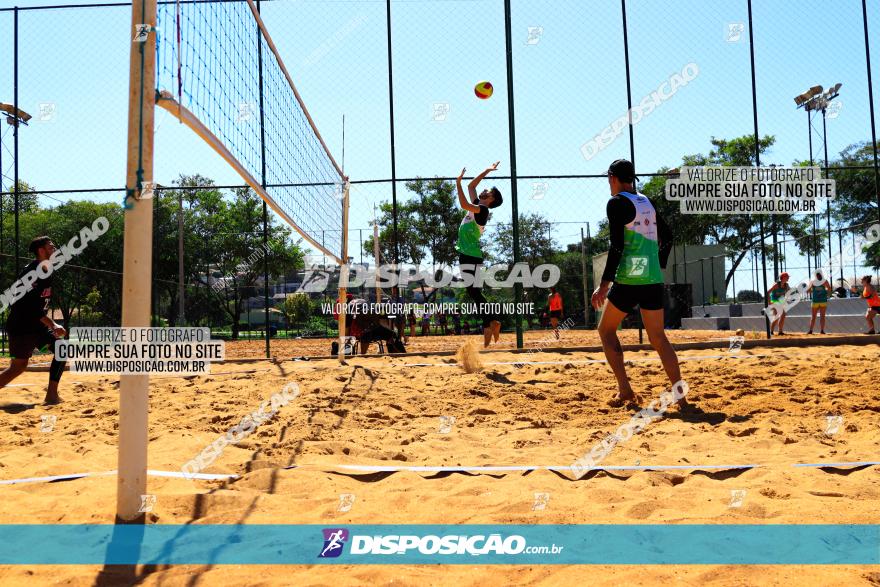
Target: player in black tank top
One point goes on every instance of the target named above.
(29, 325)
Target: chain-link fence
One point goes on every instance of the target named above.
(390, 86)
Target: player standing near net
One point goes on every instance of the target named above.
(819, 290)
(29, 326)
(640, 245)
(470, 254)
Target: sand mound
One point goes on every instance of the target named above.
(468, 358)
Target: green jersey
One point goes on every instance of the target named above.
(469, 232)
(780, 291)
(640, 260)
(818, 293)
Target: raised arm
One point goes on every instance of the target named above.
(472, 186)
(462, 201)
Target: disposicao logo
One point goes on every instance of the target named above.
(334, 540)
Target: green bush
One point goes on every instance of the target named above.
(748, 296)
(315, 325)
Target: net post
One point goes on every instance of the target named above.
(137, 262)
(343, 273)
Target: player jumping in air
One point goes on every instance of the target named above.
(29, 326)
(640, 246)
(470, 255)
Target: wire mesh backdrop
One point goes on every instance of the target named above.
(392, 95)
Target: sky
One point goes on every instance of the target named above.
(569, 84)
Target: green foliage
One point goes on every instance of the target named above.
(738, 233)
(222, 235)
(427, 224)
(296, 307)
(318, 326)
(749, 296)
(87, 314)
(856, 202)
(536, 244)
(73, 282)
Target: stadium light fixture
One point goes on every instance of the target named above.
(14, 116)
(802, 99)
(815, 100)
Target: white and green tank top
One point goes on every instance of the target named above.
(640, 261)
(469, 233)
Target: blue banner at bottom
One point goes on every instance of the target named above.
(519, 544)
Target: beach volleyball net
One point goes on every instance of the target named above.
(219, 72)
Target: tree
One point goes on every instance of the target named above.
(97, 267)
(297, 308)
(240, 235)
(408, 245)
(427, 226)
(202, 221)
(221, 235)
(536, 248)
(535, 242)
(856, 201)
(27, 204)
(738, 233)
(88, 314)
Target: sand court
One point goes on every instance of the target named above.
(785, 436)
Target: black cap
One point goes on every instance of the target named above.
(622, 170)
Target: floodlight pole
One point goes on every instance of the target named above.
(810, 136)
(827, 202)
(137, 263)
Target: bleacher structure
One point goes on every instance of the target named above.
(843, 316)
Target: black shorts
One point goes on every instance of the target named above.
(875, 308)
(22, 345)
(626, 297)
(556, 313)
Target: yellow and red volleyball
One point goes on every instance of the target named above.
(483, 90)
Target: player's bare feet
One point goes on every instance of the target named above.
(623, 399)
(686, 407)
(52, 399)
(496, 330)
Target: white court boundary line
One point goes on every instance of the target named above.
(150, 472)
(444, 469)
(489, 469)
(590, 361)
